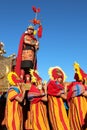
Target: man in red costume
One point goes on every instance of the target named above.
(38, 97)
(77, 100)
(56, 99)
(26, 58)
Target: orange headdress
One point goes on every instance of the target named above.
(56, 72)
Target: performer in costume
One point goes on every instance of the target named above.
(77, 101)
(37, 96)
(56, 96)
(28, 47)
(26, 58)
(27, 54)
(15, 95)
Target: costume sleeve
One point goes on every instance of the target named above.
(75, 89)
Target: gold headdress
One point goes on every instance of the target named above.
(13, 78)
(34, 76)
(79, 73)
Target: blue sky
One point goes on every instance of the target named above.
(64, 39)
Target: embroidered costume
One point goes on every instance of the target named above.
(26, 58)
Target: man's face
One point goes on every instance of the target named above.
(30, 31)
(60, 80)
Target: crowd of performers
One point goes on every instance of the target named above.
(52, 105)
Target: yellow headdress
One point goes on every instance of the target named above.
(34, 76)
(13, 78)
(79, 73)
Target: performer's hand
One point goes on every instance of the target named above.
(84, 93)
(45, 87)
(63, 96)
(36, 47)
(37, 43)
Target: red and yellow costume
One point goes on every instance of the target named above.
(14, 119)
(57, 112)
(14, 110)
(77, 102)
(38, 112)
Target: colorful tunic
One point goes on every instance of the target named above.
(25, 55)
(14, 110)
(57, 112)
(38, 112)
(77, 106)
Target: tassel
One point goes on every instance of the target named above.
(39, 32)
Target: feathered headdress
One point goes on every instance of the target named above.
(56, 72)
(79, 73)
(13, 78)
(34, 76)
